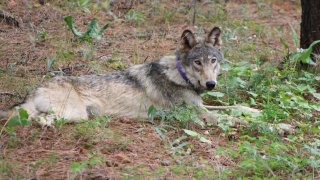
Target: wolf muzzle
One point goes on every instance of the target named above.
(210, 85)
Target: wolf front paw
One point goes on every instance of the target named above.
(46, 121)
(215, 119)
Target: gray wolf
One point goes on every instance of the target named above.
(164, 83)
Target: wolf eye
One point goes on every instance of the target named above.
(213, 60)
(197, 62)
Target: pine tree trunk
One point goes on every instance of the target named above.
(310, 24)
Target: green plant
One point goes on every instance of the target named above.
(93, 30)
(18, 120)
(50, 63)
(196, 135)
(77, 167)
(183, 114)
(115, 61)
(304, 55)
(51, 160)
(178, 144)
(90, 131)
(42, 35)
(58, 123)
(83, 4)
(300, 55)
(179, 116)
(135, 16)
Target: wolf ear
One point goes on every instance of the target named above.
(187, 40)
(214, 37)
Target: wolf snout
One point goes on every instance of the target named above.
(210, 85)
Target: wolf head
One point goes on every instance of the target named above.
(201, 57)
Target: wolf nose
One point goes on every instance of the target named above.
(210, 85)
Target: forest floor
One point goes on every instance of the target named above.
(110, 148)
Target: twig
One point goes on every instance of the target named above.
(7, 121)
(110, 13)
(146, 59)
(10, 94)
(194, 12)
(99, 57)
(72, 151)
(2, 129)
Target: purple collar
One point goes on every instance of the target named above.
(181, 71)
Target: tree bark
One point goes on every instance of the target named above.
(310, 24)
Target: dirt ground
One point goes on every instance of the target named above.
(125, 148)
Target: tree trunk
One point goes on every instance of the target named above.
(310, 24)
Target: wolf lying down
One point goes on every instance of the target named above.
(170, 81)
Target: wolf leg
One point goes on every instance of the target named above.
(238, 107)
(212, 117)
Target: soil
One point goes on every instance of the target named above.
(37, 153)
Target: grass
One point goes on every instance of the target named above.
(251, 75)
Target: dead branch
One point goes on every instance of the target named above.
(194, 12)
(107, 11)
(8, 19)
(10, 94)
